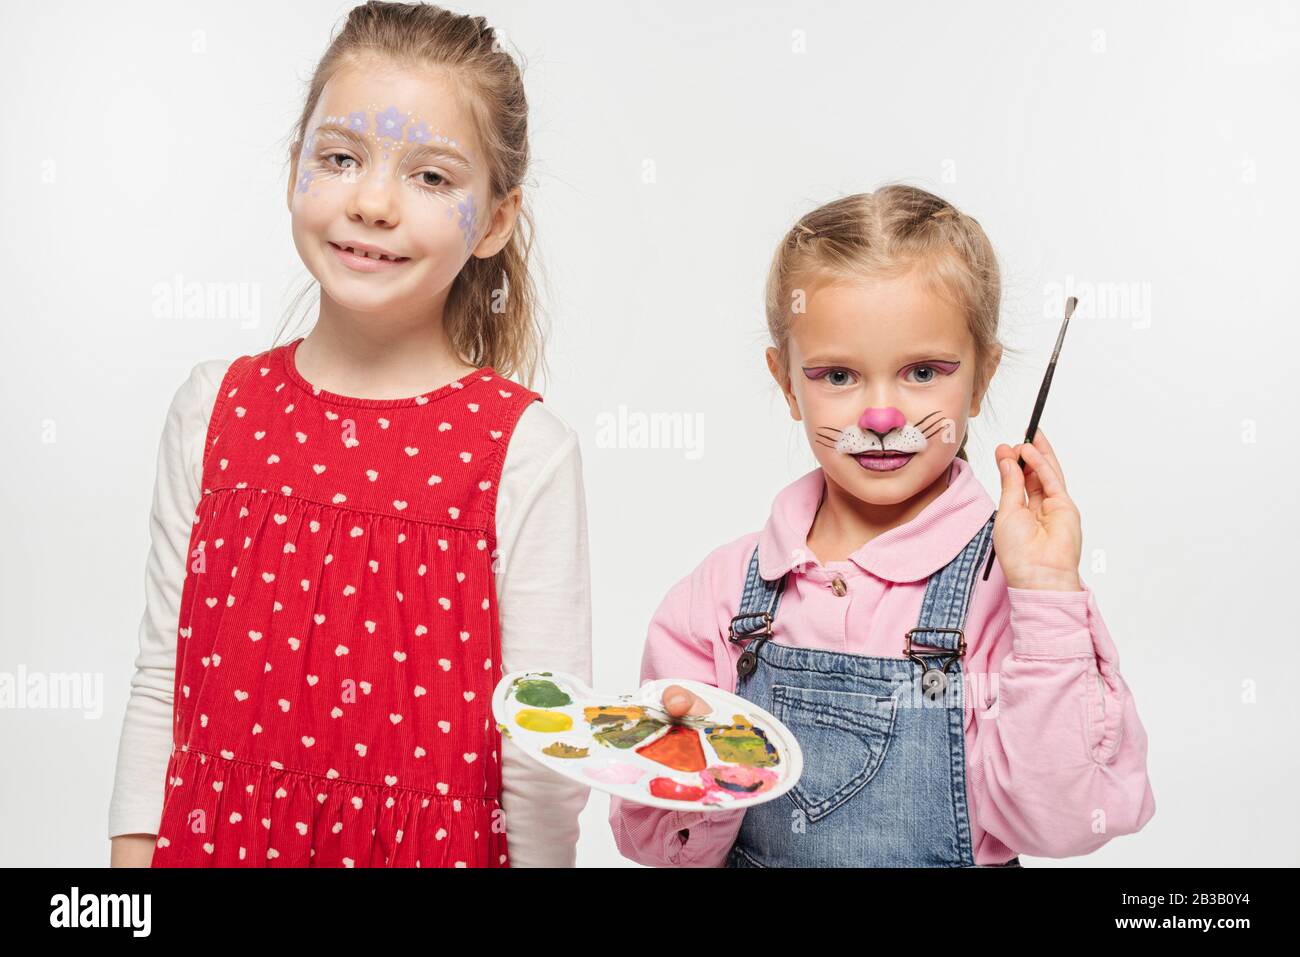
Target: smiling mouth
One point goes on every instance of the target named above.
(369, 255)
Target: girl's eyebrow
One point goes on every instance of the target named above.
(821, 361)
(438, 149)
(339, 131)
(416, 152)
(931, 357)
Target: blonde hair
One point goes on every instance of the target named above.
(423, 36)
(886, 234)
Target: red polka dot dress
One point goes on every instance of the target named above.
(338, 634)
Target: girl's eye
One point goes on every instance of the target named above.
(329, 157)
(929, 371)
(442, 180)
(832, 374)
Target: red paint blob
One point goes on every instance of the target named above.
(670, 789)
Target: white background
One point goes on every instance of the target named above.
(1150, 148)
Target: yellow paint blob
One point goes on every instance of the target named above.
(535, 719)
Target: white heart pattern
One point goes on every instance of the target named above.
(324, 563)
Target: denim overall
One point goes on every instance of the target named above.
(883, 739)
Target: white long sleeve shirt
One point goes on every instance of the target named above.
(543, 598)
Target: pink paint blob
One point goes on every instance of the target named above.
(616, 774)
(727, 781)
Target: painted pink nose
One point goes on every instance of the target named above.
(881, 420)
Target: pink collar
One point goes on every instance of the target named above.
(911, 552)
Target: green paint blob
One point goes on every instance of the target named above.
(546, 721)
(744, 745)
(540, 693)
(627, 737)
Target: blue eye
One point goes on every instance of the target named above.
(818, 373)
(935, 368)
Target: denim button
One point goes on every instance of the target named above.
(747, 663)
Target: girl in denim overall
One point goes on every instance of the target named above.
(847, 712)
(883, 311)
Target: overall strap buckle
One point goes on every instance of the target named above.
(934, 681)
(758, 603)
(764, 629)
(958, 652)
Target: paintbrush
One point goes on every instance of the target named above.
(1042, 400)
(691, 720)
(661, 714)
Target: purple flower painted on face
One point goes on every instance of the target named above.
(468, 210)
(304, 181)
(389, 123)
(418, 133)
(357, 121)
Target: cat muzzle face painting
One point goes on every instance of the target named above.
(882, 440)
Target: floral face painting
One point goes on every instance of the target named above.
(389, 189)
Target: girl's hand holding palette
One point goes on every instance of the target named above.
(735, 756)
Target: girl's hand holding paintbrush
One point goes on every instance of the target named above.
(1038, 542)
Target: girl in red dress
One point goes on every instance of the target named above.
(338, 637)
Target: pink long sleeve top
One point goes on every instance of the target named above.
(1055, 752)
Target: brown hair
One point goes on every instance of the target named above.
(424, 36)
(888, 233)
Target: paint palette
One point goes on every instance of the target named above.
(735, 756)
